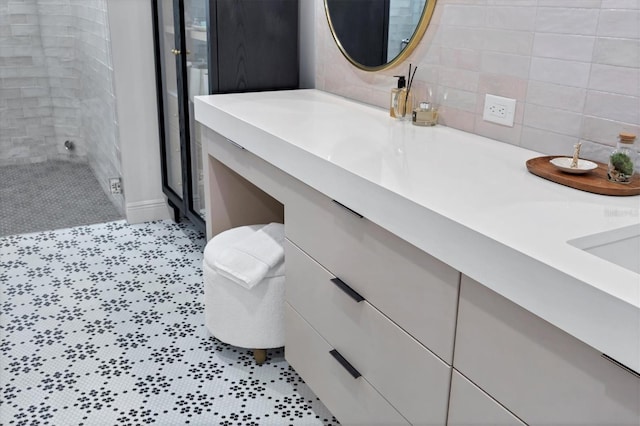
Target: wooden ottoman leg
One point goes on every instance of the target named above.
(260, 355)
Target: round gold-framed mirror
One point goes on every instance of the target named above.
(377, 34)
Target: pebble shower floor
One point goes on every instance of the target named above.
(103, 325)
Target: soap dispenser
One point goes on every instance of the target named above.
(398, 95)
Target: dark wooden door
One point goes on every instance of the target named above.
(257, 45)
(362, 27)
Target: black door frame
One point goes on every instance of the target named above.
(181, 203)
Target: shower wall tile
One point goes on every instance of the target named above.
(56, 84)
(97, 104)
(572, 65)
(24, 88)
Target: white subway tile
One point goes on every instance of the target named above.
(604, 131)
(563, 46)
(456, 118)
(463, 15)
(556, 96)
(617, 51)
(507, 41)
(619, 23)
(22, 8)
(460, 79)
(501, 85)
(458, 99)
(547, 142)
(56, 19)
(25, 30)
(553, 119)
(620, 4)
(498, 132)
(595, 151)
(570, 3)
(505, 64)
(514, 18)
(567, 20)
(567, 73)
(512, 3)
(467, 38)
(42, 131)
(613, 107)
(37, 112)
(468, 59)
(608, 78)
(34, 92)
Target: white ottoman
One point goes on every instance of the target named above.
(247, 318)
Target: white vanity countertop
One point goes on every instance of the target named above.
(463, 198)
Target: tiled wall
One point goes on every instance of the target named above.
(26, 113)
(572, 65)
(97, 103)
(403, 18)
(56, 82)
(58, 36)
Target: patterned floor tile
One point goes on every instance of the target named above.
(103, 325)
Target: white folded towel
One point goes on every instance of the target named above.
(248, 261)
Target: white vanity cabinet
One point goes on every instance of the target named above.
(415, 290)
(388, 308)
(540, 373)
(374, 246)
(404, 372)
(352, 401)
(470, 406)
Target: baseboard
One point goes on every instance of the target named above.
(146, 211)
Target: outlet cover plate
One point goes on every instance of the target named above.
(115, 185)
(499, 110)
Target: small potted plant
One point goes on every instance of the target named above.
(621, 161)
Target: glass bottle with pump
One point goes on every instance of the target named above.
(622, 161)
(400, 105)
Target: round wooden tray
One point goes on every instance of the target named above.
(595, 181)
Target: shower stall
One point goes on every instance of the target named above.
(57, 100)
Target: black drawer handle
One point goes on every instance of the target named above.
(343, 362)
(237, 145)
(347, 208)
(621, 365)
(350, 292)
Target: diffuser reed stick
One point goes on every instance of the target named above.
(409, 84)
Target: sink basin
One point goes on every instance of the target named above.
(620, 246)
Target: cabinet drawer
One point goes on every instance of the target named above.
(470, 406)
(415, 290)
(540, 373)
(406, 374)
(352, 401)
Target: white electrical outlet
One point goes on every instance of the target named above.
(499, 110)
(115, 185)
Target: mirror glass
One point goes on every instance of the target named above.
(375, 34)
